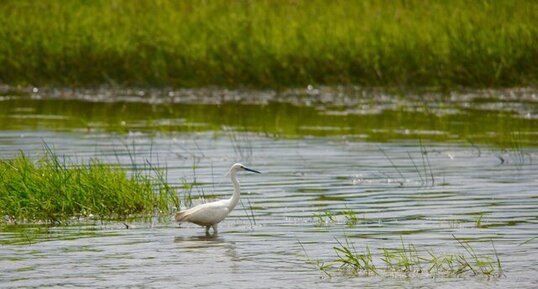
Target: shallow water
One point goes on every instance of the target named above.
(421, 191)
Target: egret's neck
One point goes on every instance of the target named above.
(235, 197)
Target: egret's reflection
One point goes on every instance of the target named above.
(203, 241)
(221, 247)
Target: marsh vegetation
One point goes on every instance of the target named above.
(443, 44)
(56, 190)
(407, 261)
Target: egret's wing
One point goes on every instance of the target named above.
(184, 215)
(204, 214)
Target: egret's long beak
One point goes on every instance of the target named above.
(251, 170)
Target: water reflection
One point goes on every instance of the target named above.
(210, 251)
(365, 117)
(202, 241)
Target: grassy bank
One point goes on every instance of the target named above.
(269, 43)
(52, 191)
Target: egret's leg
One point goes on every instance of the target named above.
(214, 229)
(207, 230)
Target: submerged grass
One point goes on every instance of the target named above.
(350, 217)
(325, 217)
(51, 190)
(269, 43)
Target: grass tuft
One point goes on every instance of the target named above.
(53, 191)
(348, 258)
(408, 260)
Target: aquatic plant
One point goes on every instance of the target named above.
(52, 190)
(320, 265)
(528, 241)
(241, 144)
(269, 43)
(424, 170)
(403, 259)
(348, 258)
(350, 216)
(478, 222)
(325, 217)
(407, 260)
(249, 213)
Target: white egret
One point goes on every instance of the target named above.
(210, 214)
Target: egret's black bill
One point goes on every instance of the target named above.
(251, 170)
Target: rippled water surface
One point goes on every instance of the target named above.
(403, 179)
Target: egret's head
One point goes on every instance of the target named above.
(239, 167)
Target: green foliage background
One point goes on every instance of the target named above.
(272, 44)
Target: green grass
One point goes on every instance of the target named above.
(478, 222)
(349, 259)
(328, 217)
(269, 43)
(351, 217)
(325, 217)
(409, 261)
(52, 191)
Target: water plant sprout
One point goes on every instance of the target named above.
(210, 214)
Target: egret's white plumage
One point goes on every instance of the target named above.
(210, 214)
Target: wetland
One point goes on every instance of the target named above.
(348, 175)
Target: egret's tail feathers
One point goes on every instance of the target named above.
(181, 217)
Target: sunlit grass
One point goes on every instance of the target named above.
(269, 43)
(51, 190)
